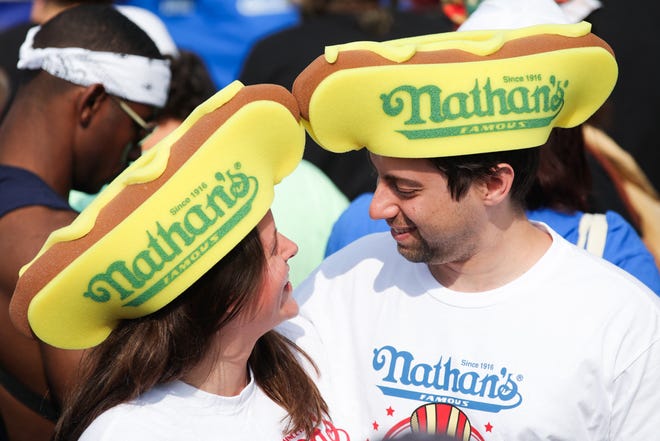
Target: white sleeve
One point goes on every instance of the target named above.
(118, 424)
(636, 404)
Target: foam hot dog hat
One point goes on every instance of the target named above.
(455, 93)
(165, 221)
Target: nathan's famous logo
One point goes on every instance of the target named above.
(466, 386)
(437, 419)
(172, 249)
(513, 108)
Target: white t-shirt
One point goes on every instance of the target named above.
(180, 412)
(569, 351)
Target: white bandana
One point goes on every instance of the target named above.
(132, 77)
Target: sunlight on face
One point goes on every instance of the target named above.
(273, 302)
(427, 224)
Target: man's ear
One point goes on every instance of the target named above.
(89, 103)
(497, 186)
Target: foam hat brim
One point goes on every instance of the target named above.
(455, 93)
(165, 221)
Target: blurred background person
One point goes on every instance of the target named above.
(43, 10)
(67, 128)
(12, 37)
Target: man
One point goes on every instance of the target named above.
(41, 11)
(93, 80)
(468, 319)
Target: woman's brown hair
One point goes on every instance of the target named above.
(563, 180)
(162, 347)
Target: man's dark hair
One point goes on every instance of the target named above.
(463, 171)
(98, 27)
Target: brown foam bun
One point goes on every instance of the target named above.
(455, 93)
(164, 221)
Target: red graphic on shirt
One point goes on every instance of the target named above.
(326, 432)
(437, 418)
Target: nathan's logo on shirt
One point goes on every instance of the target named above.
(436, 419)
(481, 109)
(469, 385)
(172, 249)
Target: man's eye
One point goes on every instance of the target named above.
(406, 191)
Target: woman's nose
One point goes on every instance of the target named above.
(290, 248)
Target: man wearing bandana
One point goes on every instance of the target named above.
(92, 83)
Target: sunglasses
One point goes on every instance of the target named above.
(146, 128)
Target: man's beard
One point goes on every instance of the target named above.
(422, 253)
(445, 251)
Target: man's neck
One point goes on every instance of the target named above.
(504, 255)
(24, 145)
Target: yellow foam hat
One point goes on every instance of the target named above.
(455, 93)
(165, 221)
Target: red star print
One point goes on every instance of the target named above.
(489, 427)
(390, 411)
(375, 424)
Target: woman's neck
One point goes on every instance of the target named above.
(224, 378)
(224, 368)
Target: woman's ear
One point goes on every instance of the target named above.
(497, 186)
(89, 103)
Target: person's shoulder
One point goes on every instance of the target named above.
(600, 277)
(149, 417)
(119, 422)
(20, 188)
(617, 221)
(626, 249)
(378, 244)
(37, 220)
(366, 254)
(23, 233)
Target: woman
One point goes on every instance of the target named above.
(209, 359)
(182, 337)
